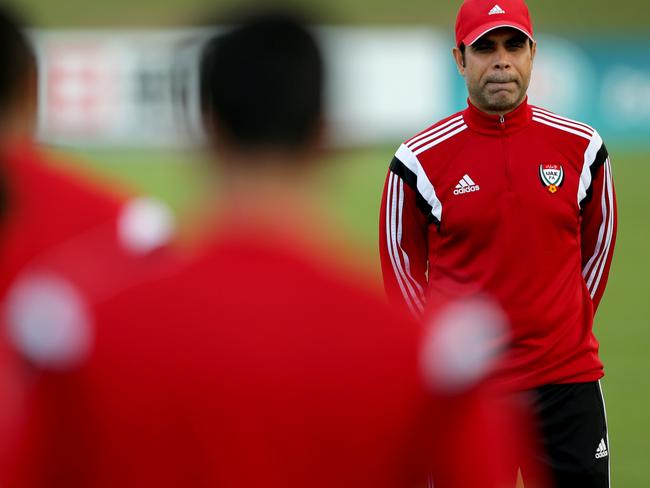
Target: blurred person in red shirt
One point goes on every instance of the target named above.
(44, 206)
(48, 215)
(38, 207)
(265, 359)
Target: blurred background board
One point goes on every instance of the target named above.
(352, 181)
(140, 88)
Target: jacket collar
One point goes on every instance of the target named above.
(488, 124)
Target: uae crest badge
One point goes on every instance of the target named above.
(552, 176)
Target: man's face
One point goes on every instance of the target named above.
(497, 69)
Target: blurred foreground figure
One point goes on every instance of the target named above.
(265, 361)
(41, 206)
(44, 207)
(49, 216)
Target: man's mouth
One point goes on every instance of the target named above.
(500, 86)
(499, 82)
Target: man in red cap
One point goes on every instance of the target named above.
(516, 201)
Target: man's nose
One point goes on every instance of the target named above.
(501, 58)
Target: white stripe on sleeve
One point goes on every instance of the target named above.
(590, 157)
(407, 262)
(561, 127)
(391, 232)
(424, 186)
(610, 233)
(564, 121)
(434, 131)
(440, 140)
(436, 135)
(601, 235)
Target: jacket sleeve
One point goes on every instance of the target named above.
(404, 219)
(598, 222)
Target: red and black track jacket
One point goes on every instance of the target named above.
(521, 207)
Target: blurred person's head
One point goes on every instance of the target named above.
(18, 79)
(494, 52)
(262, 89)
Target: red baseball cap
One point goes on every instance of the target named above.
(478, 17)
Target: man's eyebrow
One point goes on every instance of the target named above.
(483, 42)
(518, 38)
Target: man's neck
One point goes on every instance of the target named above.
(264, 185)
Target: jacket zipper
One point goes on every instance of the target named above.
(506, 162)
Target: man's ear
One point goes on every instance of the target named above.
(533, 50)
(460, 60)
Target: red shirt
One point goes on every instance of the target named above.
(44, 207)
(41, 207)
(59, 234)
(521, 207)
(260, 362)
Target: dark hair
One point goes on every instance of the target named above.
(17, 59)
(17, 63)
(262, 82)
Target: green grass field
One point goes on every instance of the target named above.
(351, 186)
(576, 15)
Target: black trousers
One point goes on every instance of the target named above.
(574, 446)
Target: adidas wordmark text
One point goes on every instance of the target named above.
(466, 185)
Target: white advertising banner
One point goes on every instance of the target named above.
(112, 88)
(124, 88)
(386, 84)
(140, 88)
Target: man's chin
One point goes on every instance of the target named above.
(503, 103)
